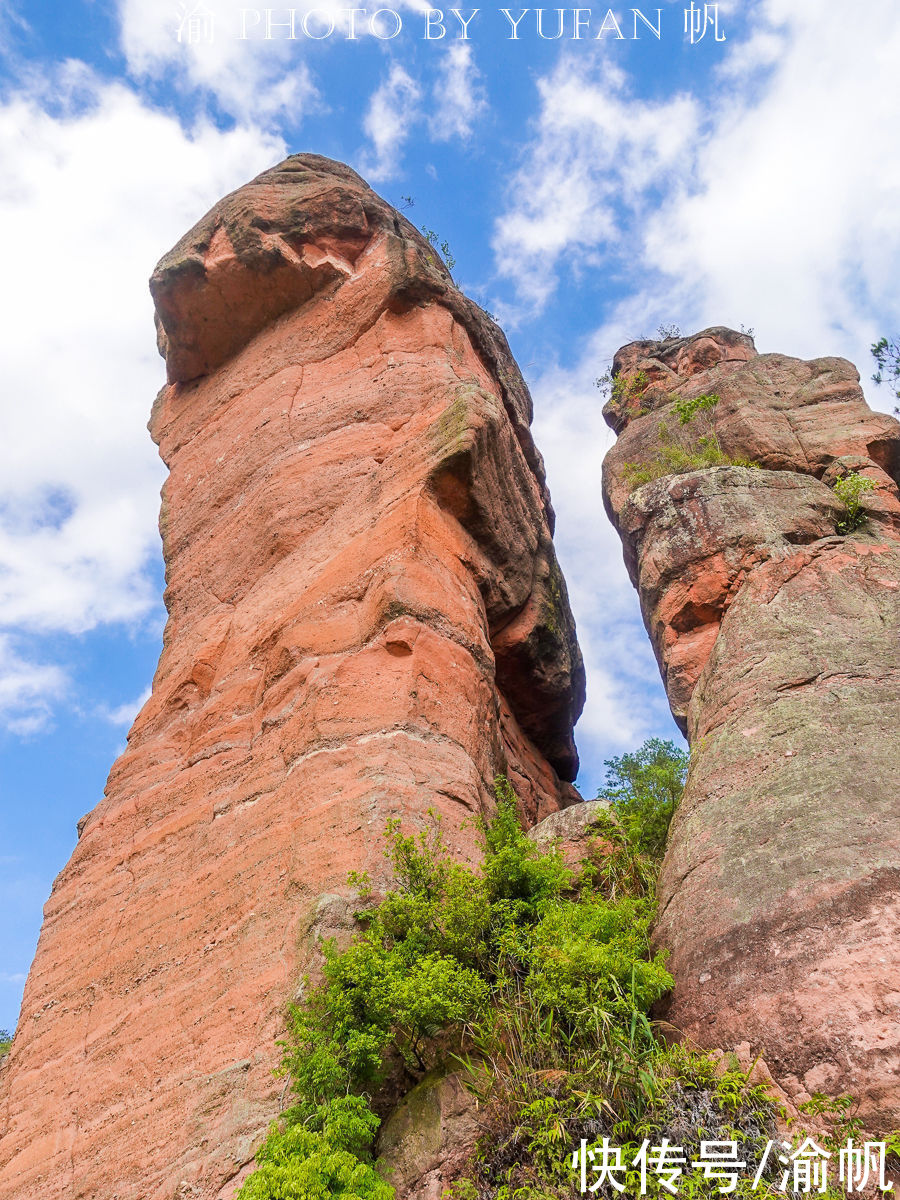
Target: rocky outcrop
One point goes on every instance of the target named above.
(779, 645)
(574, 831)
(365, 620)
(428, 1140)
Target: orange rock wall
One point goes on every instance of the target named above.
(778, 640)
(366, 620)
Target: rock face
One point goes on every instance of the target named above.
(574, 830)
(779, 645)
(426, 1142)
(366, 620)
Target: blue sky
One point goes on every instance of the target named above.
(589, 190)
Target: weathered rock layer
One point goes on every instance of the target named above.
(366, 620)
(779, 645)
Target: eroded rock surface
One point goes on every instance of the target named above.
(779, 644)
(366, 620)
(429, 1138)
(574, 831)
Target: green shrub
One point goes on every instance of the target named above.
(849, 490)
(688, 409)
(685, 451)
(447, 963)
(695, 450)
(432, 239)
(621, 388)
(644, 788)
(297, 1163)
(536, 979)
(6, 1040)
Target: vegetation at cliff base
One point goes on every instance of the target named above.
(531, 979)
(442, 970)
(6, 1039)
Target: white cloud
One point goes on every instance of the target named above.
(791, 223)
(26, 690)
(625, 703)
(393, 109)
(11, 20)
(251, 58)
(124, 714)
(595, 146)
(90, 197)
(459, 95)
(396, 110)
(250, 78)
(778, 209)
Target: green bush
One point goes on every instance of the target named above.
(688, 409)
(622, 388)
(695, 450)
(6, 1040)
(849, 490)
(446, 960)
(539, 981)
(644, 788)
(297, 1163)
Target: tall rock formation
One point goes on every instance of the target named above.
(779, 644)
(366, 620)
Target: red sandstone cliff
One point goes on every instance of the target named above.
(366, 620)
(779, 645)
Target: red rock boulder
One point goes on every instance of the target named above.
(366, 620)
(779, 644)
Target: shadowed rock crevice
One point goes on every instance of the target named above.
(779, 645)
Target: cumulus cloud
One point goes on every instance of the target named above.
(459, 95)
(392, 111)
(776, 208)
(395, 110)
(90, 194)
(26, 690)
(791, 224)
(773, 203)
(220, 48)
(596, 146)
(251, 59)
(124, 714)
(625, 702)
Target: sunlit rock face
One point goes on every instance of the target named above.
(779, 644)
(366, 620)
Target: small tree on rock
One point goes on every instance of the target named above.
(886, 352)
